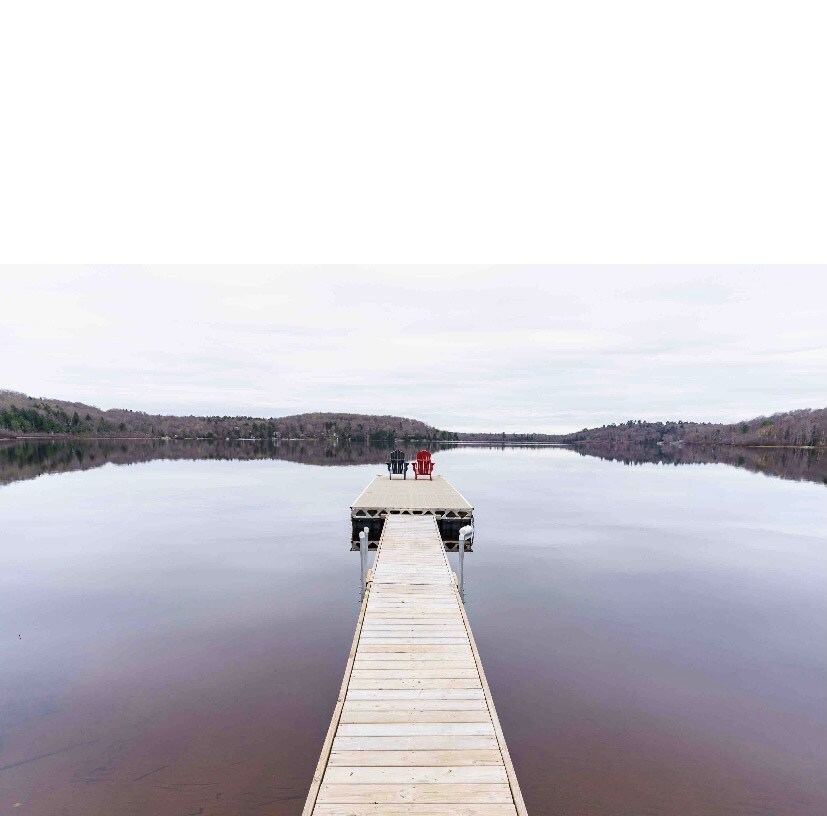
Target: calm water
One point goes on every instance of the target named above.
(173, 633)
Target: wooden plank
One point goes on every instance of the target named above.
(412, 601)
(436, 632)
(411, 665)
(425, 665)
(409, 759)
(415, 628)
(361, 655)
(440, 625)
(415, 694)
(400, 660)
(436, 622)
(456, 664)
(411, 615)
(413, 620)
(421, 640)
(415, 729)
(414, 716)
(414, 683)
(394, 654)
(413, 673)
(413, 590)
(415, 705)
(429, 742)
(407, 601)
(414, 625)
(422, 610)
(423, 628)
(415, 657)
(427, 774)
(417, 643)
(415, 570)
(334, 809)
(435, 648)
(447, 793)
(412, 629)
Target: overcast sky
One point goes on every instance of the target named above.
(465, 348)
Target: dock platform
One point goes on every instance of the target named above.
(385, 497)
(414, 731)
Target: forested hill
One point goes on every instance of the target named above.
(23, 415)
(26, 416)
(804, 427)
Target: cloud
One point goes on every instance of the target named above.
(499, 348)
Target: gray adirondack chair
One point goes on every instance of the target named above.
(397, 465)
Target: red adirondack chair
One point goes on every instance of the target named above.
(423, 466)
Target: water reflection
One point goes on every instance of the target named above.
(173, 635)
(800, 464)
(29, 459)
(32, 458)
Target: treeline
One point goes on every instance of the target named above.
(22, 415)
(48, 419)
(804, 427)
(507, 438)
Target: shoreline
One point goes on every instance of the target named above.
(441, 442)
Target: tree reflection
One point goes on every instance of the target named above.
(29, 459)
(799, 464)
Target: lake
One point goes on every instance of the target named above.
(175, 621)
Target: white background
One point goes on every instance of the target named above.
(368, 132)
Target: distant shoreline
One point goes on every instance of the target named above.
(24, 417)
(442, 443)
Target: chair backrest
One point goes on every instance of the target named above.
(423, 466)
(397, 461)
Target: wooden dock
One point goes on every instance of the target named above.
(414, 731)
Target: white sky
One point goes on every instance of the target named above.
(465, 348)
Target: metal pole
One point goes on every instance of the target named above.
(364, 540)
(465, 532)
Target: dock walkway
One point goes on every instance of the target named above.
(415, 731)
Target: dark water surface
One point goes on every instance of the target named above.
(173, 633)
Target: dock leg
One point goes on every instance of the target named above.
(464, 533)
(364, 541)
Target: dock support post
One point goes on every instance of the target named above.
(464, 533)
(364, 541)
